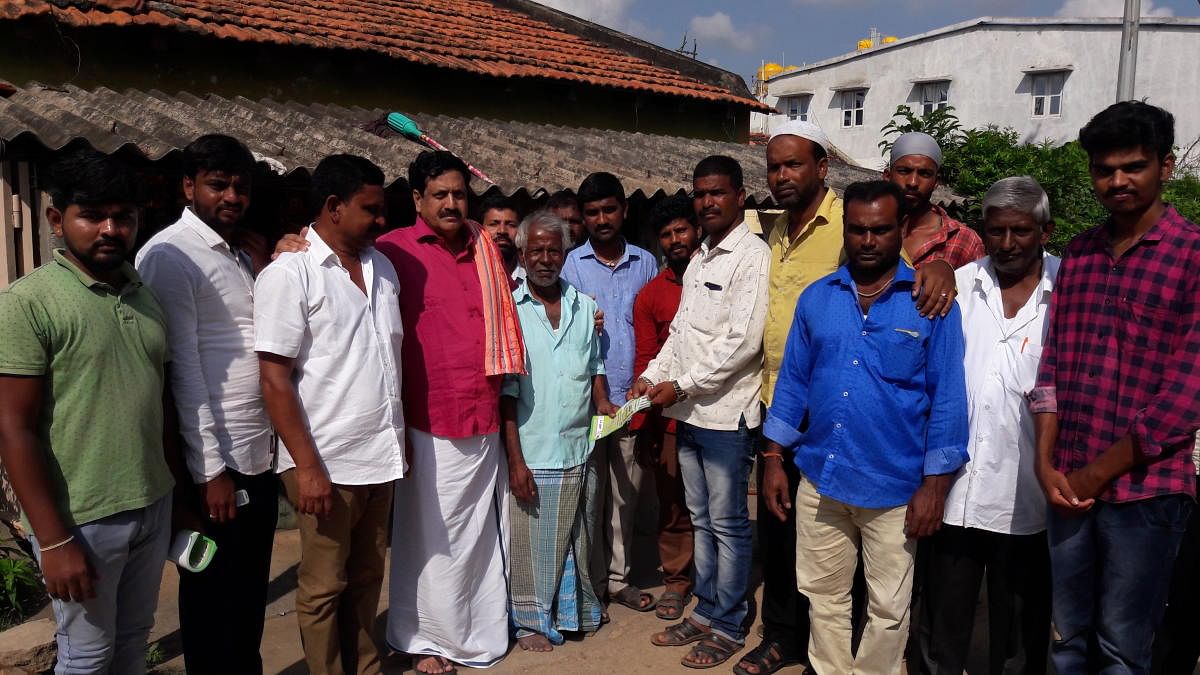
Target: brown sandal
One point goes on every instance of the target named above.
(718, 647)
(683, 633)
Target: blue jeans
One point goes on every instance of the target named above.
(1111, 568)
(715, 466)
(108, 634)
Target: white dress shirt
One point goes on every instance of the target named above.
(997, 490)
(714, 349)
(346, 346)
(207, 293)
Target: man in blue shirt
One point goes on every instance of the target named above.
(871, 398)
(612, 271)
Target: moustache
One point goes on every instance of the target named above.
(450, 213)
(1118, 193)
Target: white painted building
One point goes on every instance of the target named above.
(1044, 77)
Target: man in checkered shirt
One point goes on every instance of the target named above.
(1115, 403)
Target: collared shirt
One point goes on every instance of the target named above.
(653, 310)
(714, 350)
(446, 392)
(346, 345)
(997, 490)
(554, 401)
(955, 243)
(207, 293)
(796, 263)
(100, 353)
(1123, 356)
(613, 289)
(884, 396)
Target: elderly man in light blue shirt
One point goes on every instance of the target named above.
(545, 416)
(611, 271)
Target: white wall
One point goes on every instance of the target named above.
(985, 67)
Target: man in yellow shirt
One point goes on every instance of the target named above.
(806, 244)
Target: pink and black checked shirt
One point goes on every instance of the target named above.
(1123, 356)
(955, 243)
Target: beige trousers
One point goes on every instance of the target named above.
(611, 507)
(828, 536)
(340, 576)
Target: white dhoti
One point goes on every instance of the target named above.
(448, 590)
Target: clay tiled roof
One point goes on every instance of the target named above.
(469, 35)
(291, 136)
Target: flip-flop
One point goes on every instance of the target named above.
(632, 598)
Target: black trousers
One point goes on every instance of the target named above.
(1018, 599)
(221, 610)
(784, 609)
(1177, 641)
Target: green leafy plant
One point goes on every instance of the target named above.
(941, 123)
(20, 589)
(1184, 194)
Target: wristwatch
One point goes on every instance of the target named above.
(680, 394)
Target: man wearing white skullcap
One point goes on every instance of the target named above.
(806, 245)
(929, 234)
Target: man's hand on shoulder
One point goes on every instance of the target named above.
(292, 243)
(934, 288)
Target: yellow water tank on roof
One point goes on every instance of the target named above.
(890, 39)
(865, 44)
(769, 70)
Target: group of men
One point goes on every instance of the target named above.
(924, 404)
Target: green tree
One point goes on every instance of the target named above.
(941, 123)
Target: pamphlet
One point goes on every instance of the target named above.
(603, 425)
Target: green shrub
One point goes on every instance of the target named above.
(1184, 195)
(21, 591)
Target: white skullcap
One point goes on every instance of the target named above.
(804, 130)
(916, 143)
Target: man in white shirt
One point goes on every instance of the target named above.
(708, 376)
(995, 513)
(205, 283)
(328, 333)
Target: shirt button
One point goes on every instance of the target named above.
(864, 332)
(855, 362)
(837, 425)
(845, 394)
(831, 457)
(987, 407)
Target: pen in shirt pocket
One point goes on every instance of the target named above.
(1023, 343)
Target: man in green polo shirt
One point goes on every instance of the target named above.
(82, 352)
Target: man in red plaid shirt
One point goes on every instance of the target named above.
(1116, 400)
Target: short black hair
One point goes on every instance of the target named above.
(342, 176)
(90, 178)
(601, 185)
(217, 152)
(497, 200)
(669, 209)
(433, 163)
(1129, 124)
(561, 199)
(720, 165)
(871, 191)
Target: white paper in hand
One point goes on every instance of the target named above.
(603, 426)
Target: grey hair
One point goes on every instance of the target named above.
(543, 219)
(1019, 193)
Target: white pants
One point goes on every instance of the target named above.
(828, 536)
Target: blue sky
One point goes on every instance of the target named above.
(739, 34)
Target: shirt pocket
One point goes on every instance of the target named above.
(901, 356)
(1150, 322)
(710, 312)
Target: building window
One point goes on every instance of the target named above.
(1047, 94)
(797, 108)
(934, 96)
(853, 103)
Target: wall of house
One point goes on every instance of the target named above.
(989, 83)
(148, 57)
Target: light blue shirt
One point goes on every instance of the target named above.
(885, 397)
(554, 401)
(613, 289)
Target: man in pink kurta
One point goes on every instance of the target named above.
(448, 592)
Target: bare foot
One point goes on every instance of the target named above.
(535, 643)
(433, 665)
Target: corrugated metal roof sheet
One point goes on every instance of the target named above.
(517, 155)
